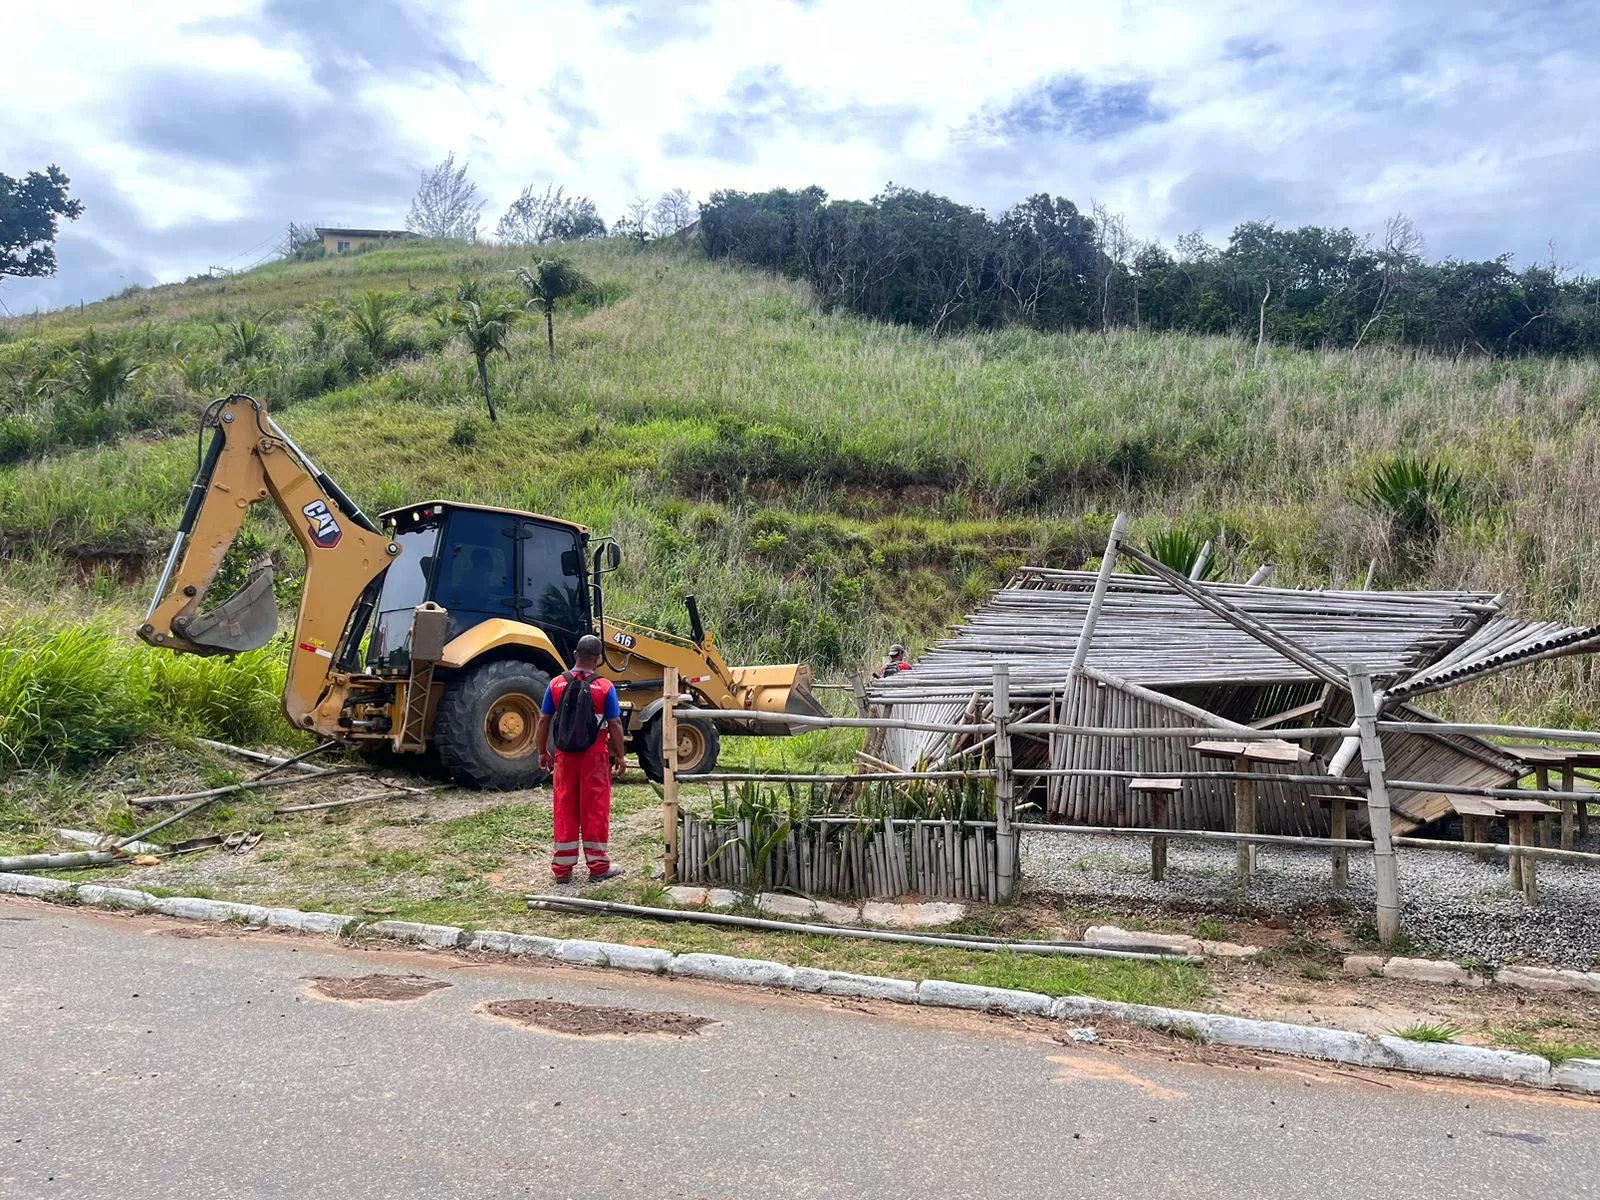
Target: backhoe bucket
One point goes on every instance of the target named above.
(246, 620)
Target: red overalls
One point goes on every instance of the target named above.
(583, 793)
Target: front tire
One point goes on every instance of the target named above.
(485, 725)
(699, 746)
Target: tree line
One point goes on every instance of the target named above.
(921, 259)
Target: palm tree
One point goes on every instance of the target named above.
(484, 327)
(550, 280)
(102, 378)
(372, 321)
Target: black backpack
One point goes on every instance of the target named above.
(576, 725)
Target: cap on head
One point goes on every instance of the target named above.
(589, 647)
(897, 651)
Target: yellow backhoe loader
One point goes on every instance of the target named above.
(439, 629)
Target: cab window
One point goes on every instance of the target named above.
(552, 583)
(473, 578)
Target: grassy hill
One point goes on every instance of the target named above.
(823, 483)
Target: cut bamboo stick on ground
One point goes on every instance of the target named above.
(388, 793)
(253, 785)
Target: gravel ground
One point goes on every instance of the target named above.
(1451, 903)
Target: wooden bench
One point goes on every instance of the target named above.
(1243, 755)
(1161, 792)
(1522, 874)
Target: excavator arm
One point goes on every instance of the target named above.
(249, 461)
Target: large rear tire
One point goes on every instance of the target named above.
(485, 724)
(699, 746)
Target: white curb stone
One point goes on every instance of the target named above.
(307, 922)
(1474, 1062)
(34, 885)
(925, 915)
(787, 906)
(1583, 1074)
(582, 953)
(726, 969)
(1363, 965)
(114, 897)
(637, 958)
(965, 995)
(1331, 1045)
(524, 945)
(445, 937)
(844, 983)
(1428, 970)
(837, 914)
(1110, 937)
(1548, 979)
(1228, 950)
(196, 910)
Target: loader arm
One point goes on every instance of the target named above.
(249, 461)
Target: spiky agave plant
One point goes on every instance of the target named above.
(1418, 495)
(371, 320)
(1180, 550)
(103, 375)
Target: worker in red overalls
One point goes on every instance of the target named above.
(582, 777)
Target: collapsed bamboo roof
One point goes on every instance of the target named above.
(1148, 633)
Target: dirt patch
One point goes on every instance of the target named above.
(374, 987)
(201, 931)
(594, 1020)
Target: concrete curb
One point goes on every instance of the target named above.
(1277, 1037)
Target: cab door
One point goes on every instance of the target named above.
(477, 570)
(552, 592)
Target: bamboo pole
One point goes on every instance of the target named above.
(1201, 835)
(367, 798)
(583, 904)
(1366, 713)
(69, 861)
(1004, 785)
(252, 785)
(271, 760)
(669, 774)
(1097, 601)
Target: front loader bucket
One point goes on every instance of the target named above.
(783, 689)
(246, 620)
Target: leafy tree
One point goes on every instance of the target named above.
(484, 327)
(30, 211)
(551, 280)
(446, 204)
(532, 220)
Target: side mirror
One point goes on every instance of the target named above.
(569, 563)
(610, 556)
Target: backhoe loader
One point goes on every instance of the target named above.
(437, 630)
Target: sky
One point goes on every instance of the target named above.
(195, 130)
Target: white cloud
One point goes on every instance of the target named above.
(1475, 118)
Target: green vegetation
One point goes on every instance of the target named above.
(1428, 1031)
(825, 484)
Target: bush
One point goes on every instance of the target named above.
(1419, 496)
(465, 434)
(73, 694)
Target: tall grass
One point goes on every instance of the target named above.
(74, 693)
(826, 484)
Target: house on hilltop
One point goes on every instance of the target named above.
(348, 241)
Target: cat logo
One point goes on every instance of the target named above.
(325, 531)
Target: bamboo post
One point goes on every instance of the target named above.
(858, 688)
(1514, 871)
(1542, 780)
(1097, 601)
(1383, 865)
(1569, 808)
(1337, 827)
(669, 773)
(1530, 874)
(1244, 819)
(1158, 846)
(1005, 798)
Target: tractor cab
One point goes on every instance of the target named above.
(480, 564)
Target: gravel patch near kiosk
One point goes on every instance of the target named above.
(1460, 907)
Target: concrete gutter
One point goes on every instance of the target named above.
(1277, 1037)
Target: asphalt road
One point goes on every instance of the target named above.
(137, 1062)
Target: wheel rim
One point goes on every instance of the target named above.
(509, 724)
(691, 747)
